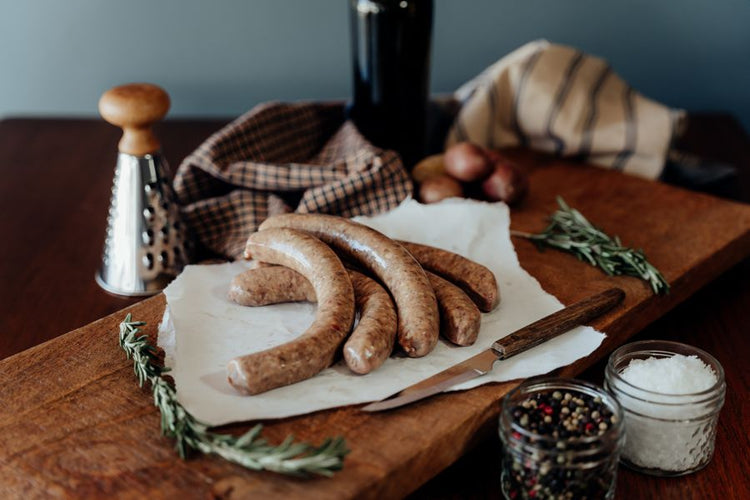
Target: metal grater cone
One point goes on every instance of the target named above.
(145, 246)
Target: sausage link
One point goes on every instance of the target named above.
(371, 341)
(416, 305)
(264, 286)
(459, 316)
(316, 348)
(473, 278)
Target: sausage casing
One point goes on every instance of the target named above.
(316, 348)
(459, 316)
(476, 280)
(371, 341)
(416, 305)
(264, 286)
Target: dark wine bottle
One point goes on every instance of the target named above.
(391, 60)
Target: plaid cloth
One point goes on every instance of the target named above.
(302, 157)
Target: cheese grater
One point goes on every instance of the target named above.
(146, 244)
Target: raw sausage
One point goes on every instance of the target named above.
(416, 305)
(371, 341)
(262, 286)
(473, 278)
(476, 280)
(316, 348)
(418, 318)
(459, 316)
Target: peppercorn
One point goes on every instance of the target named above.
(556, 422)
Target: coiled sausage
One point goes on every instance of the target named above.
(316, 348)
(371, 341)
(416, 305)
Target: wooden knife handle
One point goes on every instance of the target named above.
(135, 107)
(557, 323)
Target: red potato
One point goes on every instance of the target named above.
(440, 187)
(467, 162)
(507, 183)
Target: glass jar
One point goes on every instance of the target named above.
(390, 42)
(668, 434)
(549, 452)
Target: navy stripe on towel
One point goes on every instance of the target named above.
(630, 130)
(588, 128)
(562, 92)
(524, 75)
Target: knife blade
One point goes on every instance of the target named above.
(519, 341)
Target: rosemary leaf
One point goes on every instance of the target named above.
(571, 232)
(249, 450)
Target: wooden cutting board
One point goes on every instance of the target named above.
(74, 422)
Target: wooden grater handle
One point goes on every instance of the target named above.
(135, 107)
(557, 323)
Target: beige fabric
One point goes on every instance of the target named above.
(557, 99)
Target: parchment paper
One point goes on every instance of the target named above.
(202, 330)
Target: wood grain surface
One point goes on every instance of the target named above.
(74, 423)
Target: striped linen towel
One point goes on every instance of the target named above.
(557, 99)
(283, 157)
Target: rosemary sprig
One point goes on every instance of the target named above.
(571, 232)
(249, 450)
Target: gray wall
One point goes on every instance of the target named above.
(222, 57)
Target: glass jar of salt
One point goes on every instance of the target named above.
(671, 394)
(561, 439)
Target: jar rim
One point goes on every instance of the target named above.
(642, 346)
(545, 383)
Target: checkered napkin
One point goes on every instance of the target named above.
(281, 157)
(557, 99)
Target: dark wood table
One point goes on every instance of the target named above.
(55, 177)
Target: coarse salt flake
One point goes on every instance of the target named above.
(670, 412)
(678, 374)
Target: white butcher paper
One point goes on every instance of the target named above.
(202, 329)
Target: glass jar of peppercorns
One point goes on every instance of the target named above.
(561, 440)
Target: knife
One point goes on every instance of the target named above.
(519, 341)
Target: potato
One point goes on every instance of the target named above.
(428, 167)
(467, 162)
(507, 183)
(439, 187)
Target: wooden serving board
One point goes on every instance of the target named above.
(73, 421)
